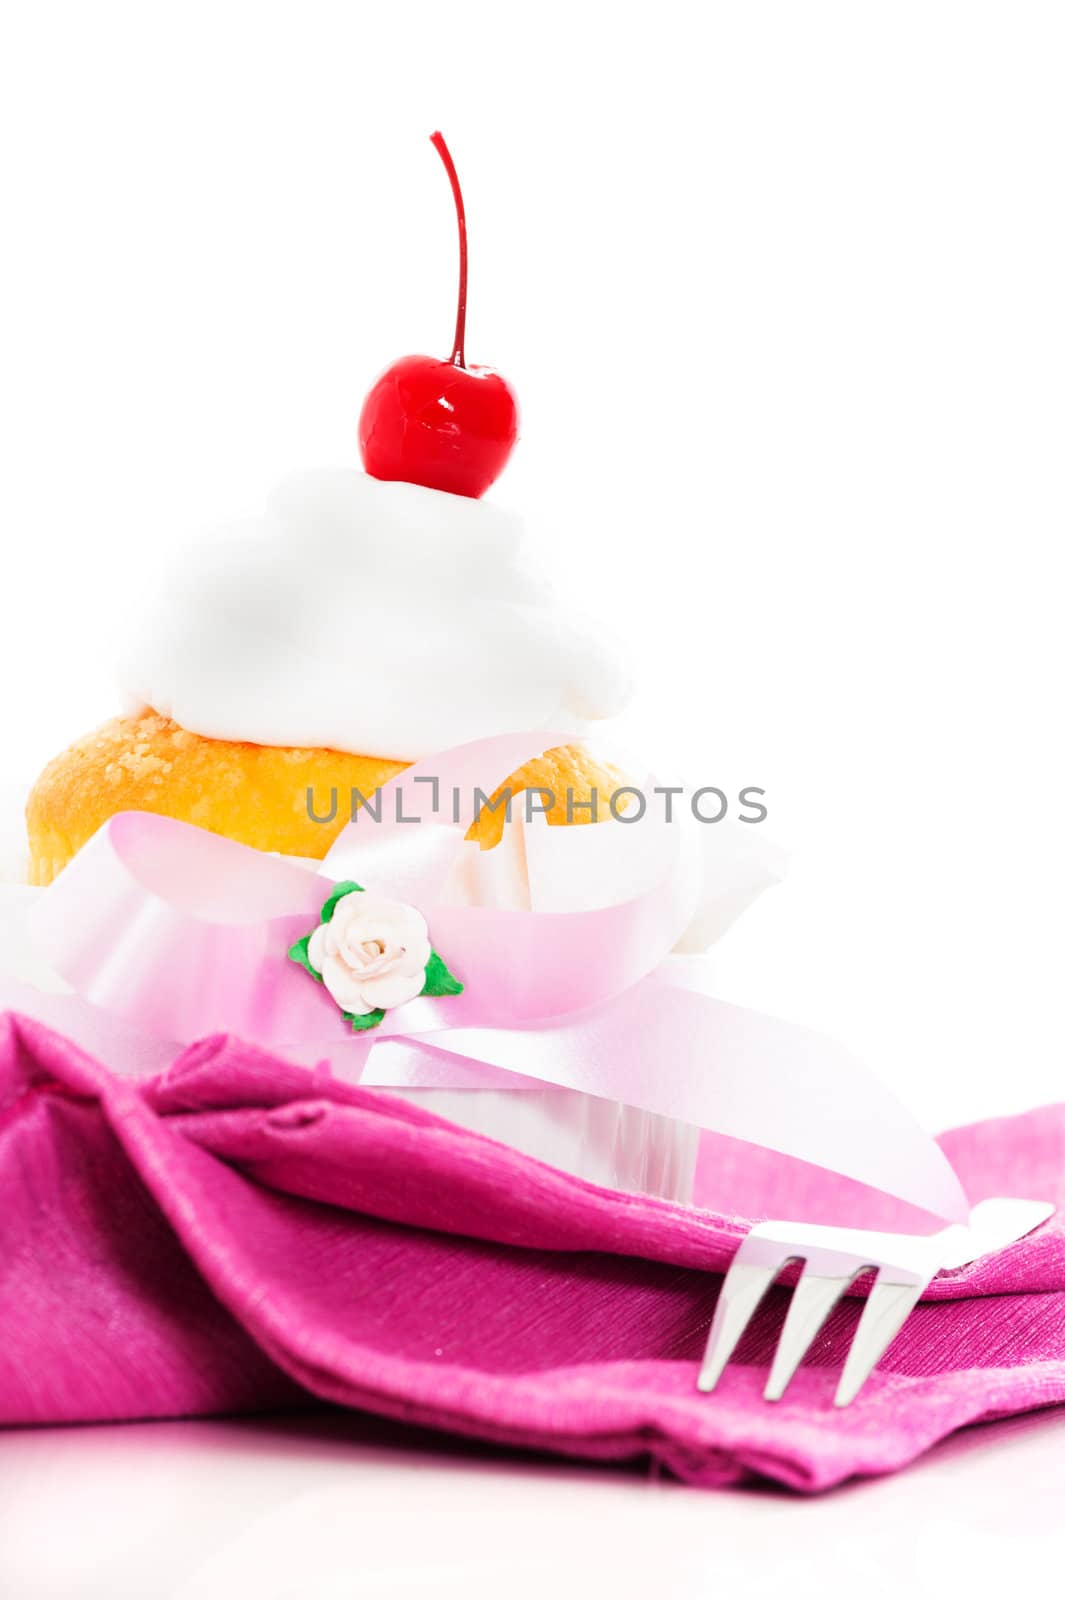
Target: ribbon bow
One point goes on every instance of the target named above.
(183, 933)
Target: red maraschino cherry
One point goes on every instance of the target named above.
(440, 423)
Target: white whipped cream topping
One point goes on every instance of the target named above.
(379, 618)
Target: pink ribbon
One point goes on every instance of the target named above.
(182, 933)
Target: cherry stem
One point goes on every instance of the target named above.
(458, 353)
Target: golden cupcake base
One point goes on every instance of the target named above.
(255, 794)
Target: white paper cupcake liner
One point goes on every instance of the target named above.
(615, 1146)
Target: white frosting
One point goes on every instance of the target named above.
(378, 618)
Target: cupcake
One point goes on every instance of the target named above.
(364, 621)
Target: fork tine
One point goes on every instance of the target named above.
(832, 1258)
(741, 1294)
(812, 1299)
(888, 1306)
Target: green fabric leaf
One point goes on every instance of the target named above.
(370, 1020)
(298, 954)
(438, 980)
(339, 891)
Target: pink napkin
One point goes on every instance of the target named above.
(239, 1233)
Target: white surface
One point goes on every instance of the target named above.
(779, 289)
(309, 1509)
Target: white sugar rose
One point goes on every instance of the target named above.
(372, 953)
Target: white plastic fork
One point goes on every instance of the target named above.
(832, 1259)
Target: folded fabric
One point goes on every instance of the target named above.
(240, 1233)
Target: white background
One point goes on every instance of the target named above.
(779, 286)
